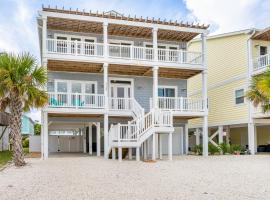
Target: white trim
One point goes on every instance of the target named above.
(222, 83)
(69, 82)
(170, 87)
(122, 79)
(120, 41)
(162, 44)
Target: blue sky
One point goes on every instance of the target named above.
(18, 30)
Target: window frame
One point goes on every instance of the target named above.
(235, 97)
(169, 87)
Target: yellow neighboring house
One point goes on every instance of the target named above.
(232, 59)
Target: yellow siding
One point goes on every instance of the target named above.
(263, 135)
(227, 58)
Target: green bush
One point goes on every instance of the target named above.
(236, 148)
(198, 149)
(225, 148)
(213, 149)
(25, 143)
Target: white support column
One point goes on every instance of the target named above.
(137, 153)
(170, 146)
(44, 38)
(45, 136)
(106, 117)
(251, 138)
(105, 39)
(155, 87)
(155, 43)
(120, 154)
(160, 146)
(186, 139)
(255, 138)
(98, 138)
(154, 147)
(220, 134)
(113, 153)
(204, 96)
(90, 139)
(197, 134)
(145, 150)
(130, 153)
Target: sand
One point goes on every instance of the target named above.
(186, 177)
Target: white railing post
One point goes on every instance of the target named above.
(181, 104)
(105, 39)
(44, 37)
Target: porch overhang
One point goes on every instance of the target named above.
(262, 35)
(117, 69)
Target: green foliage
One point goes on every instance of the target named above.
(5, 156)
(259, 91)
(225, 148)
(25, 143)
(198, 149)
(213, 149)
(236, 148)
(37, 129)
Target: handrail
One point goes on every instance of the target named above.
(261, 62)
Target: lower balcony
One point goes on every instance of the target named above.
(181, 106)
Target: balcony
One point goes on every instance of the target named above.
(76, 100)
(181, 105)
(124, 54)
(261, 63)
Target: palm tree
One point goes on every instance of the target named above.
(259, 91)
(21, 83)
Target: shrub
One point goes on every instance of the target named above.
(225, 148)
(25, 143)
(198, 149)
(213, 149)
(235, 148)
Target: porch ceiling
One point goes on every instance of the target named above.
(118, 29)
(67, 115)
(69, 66)
(262, 35)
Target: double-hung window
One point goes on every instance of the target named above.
(239, 96)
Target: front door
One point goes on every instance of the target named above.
(121, 94)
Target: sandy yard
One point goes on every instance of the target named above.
(186, 177)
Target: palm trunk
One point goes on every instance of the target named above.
(15, 126)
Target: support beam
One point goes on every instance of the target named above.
(160, 146)
(130, 153)
(90, 139)
(251, 138)
(98, 139)
(154, 147)
(205, 136)
(44, 38)
(220, 134)
(228, 135)
(106, 117)
(186, 139)
(170, 146)
(105, 39)
(155, 43)
(137, 153)
(84, 140)
(120, 154)
(255, 139)
(155, 87)
(145, 150)
(197, 134)
(45, 136)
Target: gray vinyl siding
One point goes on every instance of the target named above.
(143, 86)
(99, 38)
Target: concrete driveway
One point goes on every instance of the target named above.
(187, 177)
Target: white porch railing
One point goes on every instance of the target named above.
(182, 104)
(75, 100)
(78, 48)
(126, 104)
(261, 62)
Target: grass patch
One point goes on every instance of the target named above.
(5, 156)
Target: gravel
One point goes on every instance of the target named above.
(187, 177)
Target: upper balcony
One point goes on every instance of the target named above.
(147, 42)
(260, 51)
(118, 53)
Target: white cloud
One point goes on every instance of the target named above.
(230, 15)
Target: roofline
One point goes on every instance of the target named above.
(228, 34)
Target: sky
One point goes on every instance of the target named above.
(18, 27)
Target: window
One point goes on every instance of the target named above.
(263, 50)
(239, 96)
(166, 92)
